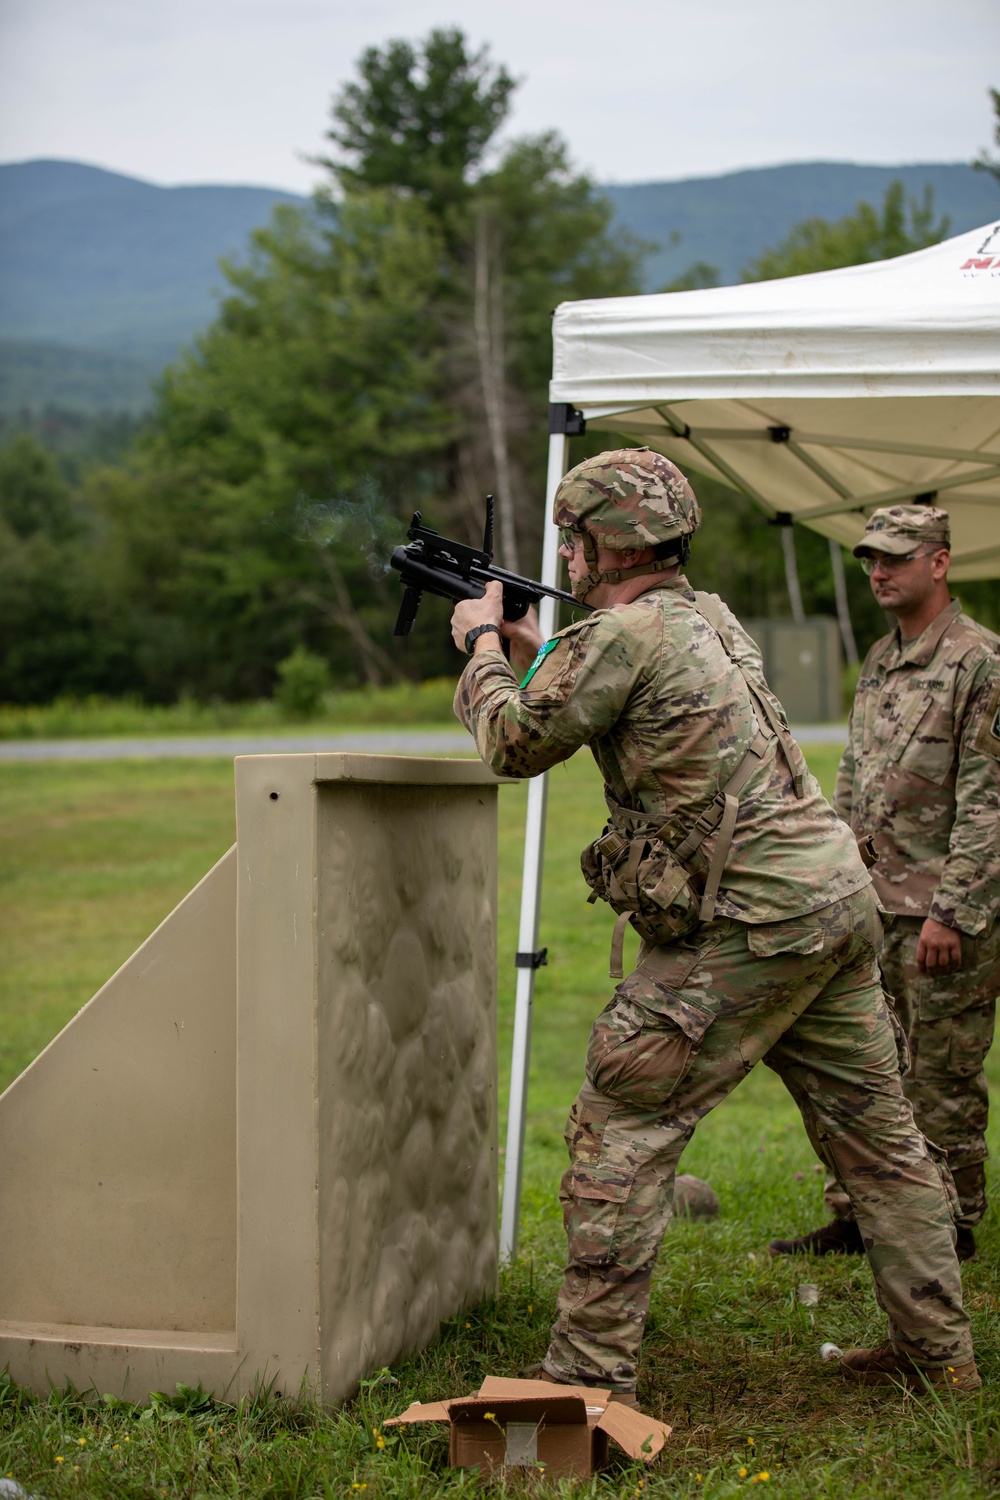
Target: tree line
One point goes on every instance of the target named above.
(384, 350)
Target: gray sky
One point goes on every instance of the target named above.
(239, 90)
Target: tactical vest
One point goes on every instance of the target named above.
(649, 883)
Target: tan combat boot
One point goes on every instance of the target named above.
(884, 1366)
(539, 1372)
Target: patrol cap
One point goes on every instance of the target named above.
(898, 529)
(627, 498)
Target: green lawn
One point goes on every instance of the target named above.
(93, 855)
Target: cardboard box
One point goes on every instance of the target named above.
(563, 1429)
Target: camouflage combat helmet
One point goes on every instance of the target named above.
(630, 498)
(899, 529)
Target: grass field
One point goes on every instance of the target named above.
(74, 718)
(93, 855)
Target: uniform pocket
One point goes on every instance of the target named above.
(971, 1037)
(598, 1193)
(928, 750)
(552, 682)
(798, 935)
(643, 1043)
(670, 966)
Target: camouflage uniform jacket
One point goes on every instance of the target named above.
(667, 716)
(921, 771)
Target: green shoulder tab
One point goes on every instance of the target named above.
(543, 652)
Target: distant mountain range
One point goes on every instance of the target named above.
(727, 221)
(103, 278)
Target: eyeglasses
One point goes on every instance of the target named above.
(892, 564)
(568, 536)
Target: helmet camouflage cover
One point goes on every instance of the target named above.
(627, 499)
(630, 497)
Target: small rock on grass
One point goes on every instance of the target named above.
(11, 1490)
(694, 1199)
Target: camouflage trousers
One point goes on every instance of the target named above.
(680, 1033)
(948, 1020)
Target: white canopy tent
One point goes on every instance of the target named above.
(821, 397)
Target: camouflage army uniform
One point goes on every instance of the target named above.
(786, 973)
(921, 772)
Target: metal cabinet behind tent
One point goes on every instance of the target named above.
(802, 666)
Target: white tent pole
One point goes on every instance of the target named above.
(531, 892)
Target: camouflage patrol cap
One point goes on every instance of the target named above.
(627, 498)
(899, 529)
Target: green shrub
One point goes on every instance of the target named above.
(303, 682)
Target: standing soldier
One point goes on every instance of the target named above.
(760, 929)
(921, 774)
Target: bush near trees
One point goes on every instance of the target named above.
(384, 350)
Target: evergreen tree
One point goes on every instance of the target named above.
(984, 162)
(59, 634)
(899, 225)
(391, 341)
(419, 118)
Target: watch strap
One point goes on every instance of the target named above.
(472, 636)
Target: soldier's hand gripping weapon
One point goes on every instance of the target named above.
(433, 564)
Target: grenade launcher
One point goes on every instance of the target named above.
(433, 564)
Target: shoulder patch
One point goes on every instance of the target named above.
(543, 652)
(987, 737)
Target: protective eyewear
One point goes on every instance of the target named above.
(891, 564)
(568, 536)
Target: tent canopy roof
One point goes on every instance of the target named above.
(821, 396)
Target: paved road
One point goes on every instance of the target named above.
(397, 742)
(370, 741)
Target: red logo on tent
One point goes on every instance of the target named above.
(984, 258)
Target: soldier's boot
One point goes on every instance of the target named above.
(841, 1237)
(539, 1372)
(884, 1366)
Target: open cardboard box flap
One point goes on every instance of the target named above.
(520, 1401)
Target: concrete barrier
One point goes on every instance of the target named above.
(266, 1150)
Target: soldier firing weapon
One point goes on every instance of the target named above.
(434, 564)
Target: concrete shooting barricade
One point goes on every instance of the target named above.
(266, 1150)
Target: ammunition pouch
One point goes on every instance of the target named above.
(648, 882)
(639, 876)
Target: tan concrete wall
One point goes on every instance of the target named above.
(301, 1140)
(118, 1143)
(407, 1065)
(382, 956)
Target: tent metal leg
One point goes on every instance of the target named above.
(531, 892)
(792, 575)
(843, 607)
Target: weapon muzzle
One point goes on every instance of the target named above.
(418, 575)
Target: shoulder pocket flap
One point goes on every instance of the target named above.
(987, 737)
(800, 935)
(553, 678)
(646, 991)
(603, 1181)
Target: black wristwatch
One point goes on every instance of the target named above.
(472, 636)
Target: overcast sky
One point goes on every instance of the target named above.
(238, 90)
